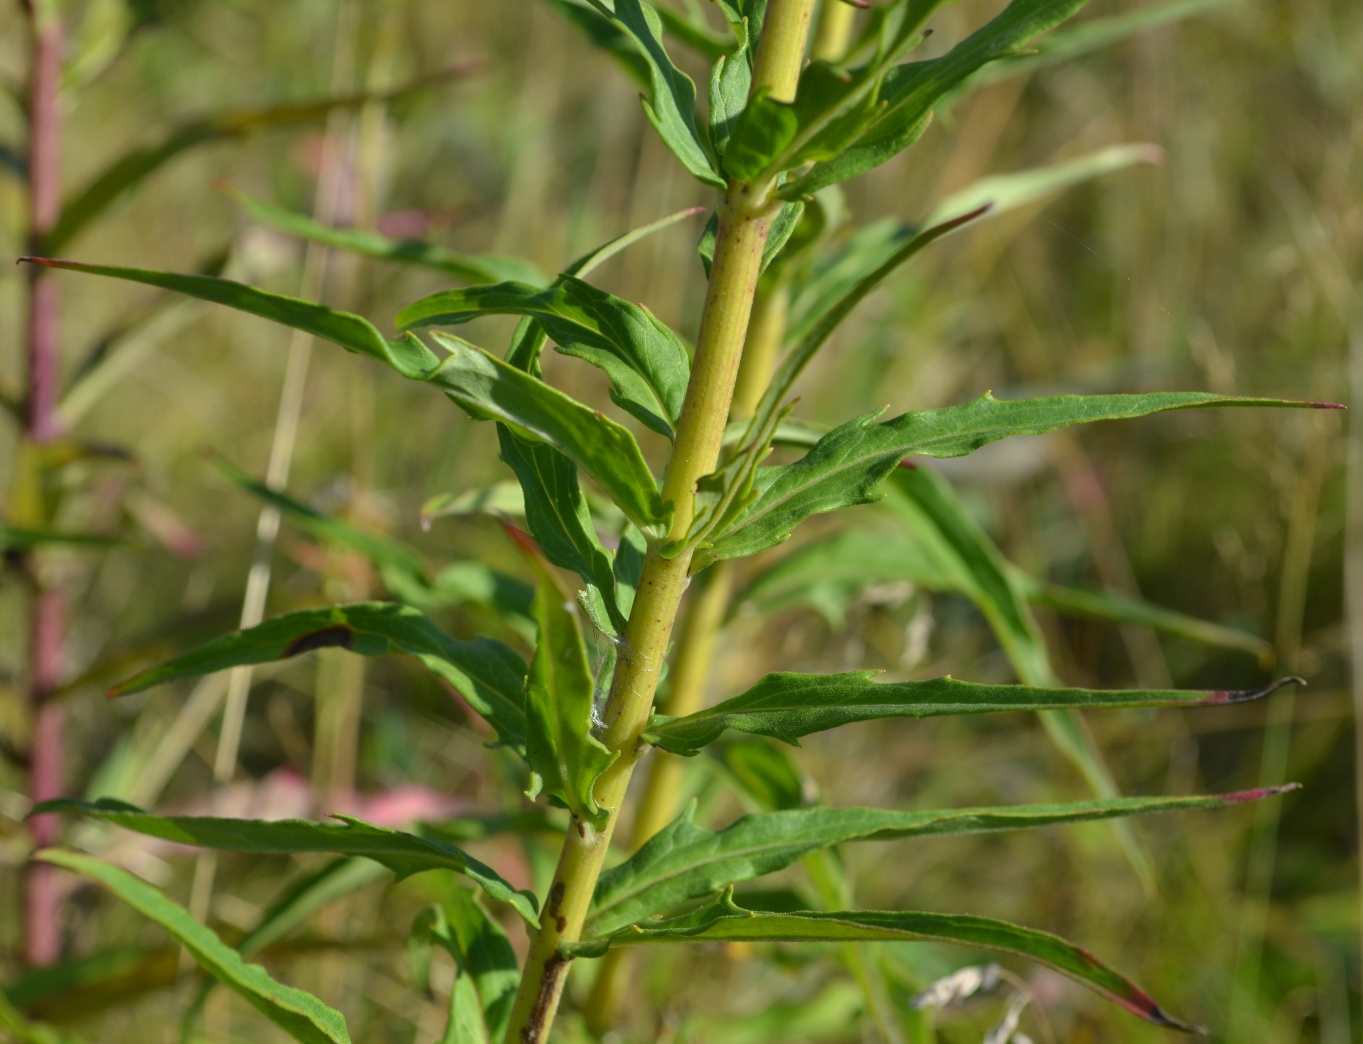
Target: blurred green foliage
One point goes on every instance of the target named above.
(1233, 267)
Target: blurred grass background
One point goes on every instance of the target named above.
(1234, 267)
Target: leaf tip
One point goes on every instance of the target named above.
(1318, 405)
(1220, 697)
(1240, 797)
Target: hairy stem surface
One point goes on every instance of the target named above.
(744, 219)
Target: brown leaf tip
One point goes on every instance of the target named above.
(1220, 697)
(339, 636)
(1327, 405)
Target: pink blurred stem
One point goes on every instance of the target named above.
(42, 905)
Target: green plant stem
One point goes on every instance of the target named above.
(834, 31)
(658, 804)
(744, 219)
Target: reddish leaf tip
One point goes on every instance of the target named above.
(1317, 405)
(1241, 797)
(1220, 697)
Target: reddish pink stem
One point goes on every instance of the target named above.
(42, 905)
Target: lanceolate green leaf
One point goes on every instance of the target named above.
(1091, 35)
(487, 673)
(605, 34)
(409, 356)
(486, 955)
(404, 854)
(671, 105)
(684, 861)
(971, 564)
(725, 921)
(565, 758)
(829, 573)
(646, 362)
(299, 1014)
(818, 332)
(847, 464)
(787, 706)
(379, 550)
(466, 1024)
(20, 537)
(339, 878)
(909, 92)
(127, 171)
(493, 390)
(1002, 193)
(406, 573)
(1104, 605)
(471, 268)
(833, 106)
(558, 515)
(593, 259)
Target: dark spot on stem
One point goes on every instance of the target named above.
(537, 1025)
(338, 636)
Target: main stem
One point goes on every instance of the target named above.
(42, 901)
(744, 219)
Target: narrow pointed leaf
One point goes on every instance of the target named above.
(299, 1014)
(909, 92)
(405, 572)
(646, 362)
(593, 259)
(1002, 193)
(559, 517)
(23, 538)
(605, 34)
(379, 550)
(565, 758)
(316, 891)
(127, 171)
(1105, 605)
(486, 955)
(684, 861)
(471, 268)
(671, 105)
(354, 333)
(26, 1031)
(730, 83)
(405, 854)
(725, 921)
(1091, 35)
(851, 461)
(787, 706)
(337, 879)
(493, 390)
(486, 672)
(832, 108)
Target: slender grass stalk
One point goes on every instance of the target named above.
(283, 441)
(1353, 565)
(1277, 749)
(42, 900)
(744, 219)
